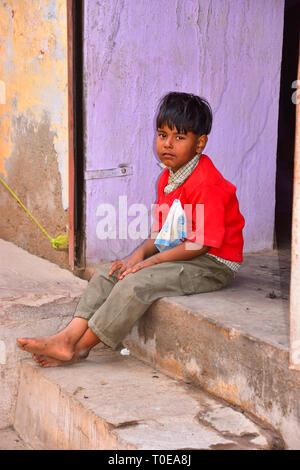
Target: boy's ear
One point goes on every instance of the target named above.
(201, 143)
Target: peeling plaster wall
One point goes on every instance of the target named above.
(225, 50)
(34, 123)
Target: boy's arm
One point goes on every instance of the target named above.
(182, 252)
(146, 249)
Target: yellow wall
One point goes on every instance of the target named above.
(33, 70)
(34, 91)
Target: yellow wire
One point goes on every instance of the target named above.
(58, 242)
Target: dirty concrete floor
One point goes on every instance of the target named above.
(10, 440)
(28, 280)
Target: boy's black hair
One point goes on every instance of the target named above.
(186, 112)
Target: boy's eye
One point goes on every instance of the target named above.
(180, 137)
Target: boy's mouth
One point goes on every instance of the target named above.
(168, 155)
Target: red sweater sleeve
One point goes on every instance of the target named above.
(207, 211)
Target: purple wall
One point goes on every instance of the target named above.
(225, 50)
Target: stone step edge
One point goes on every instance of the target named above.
(232, 350)
(113, 441)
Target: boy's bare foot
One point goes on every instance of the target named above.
(56, 347)
(47, 361)
(68, 346)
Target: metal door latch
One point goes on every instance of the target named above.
(121, 170)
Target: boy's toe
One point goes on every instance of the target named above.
(21, 342)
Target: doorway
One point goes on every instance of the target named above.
(286, 126)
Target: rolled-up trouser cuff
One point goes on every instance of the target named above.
(81, 315)
(101, 336)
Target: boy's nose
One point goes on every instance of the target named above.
(168, 142)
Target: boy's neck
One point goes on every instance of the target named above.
(186, 164)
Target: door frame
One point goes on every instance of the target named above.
(76, 230)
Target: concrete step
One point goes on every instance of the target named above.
(111, 401)
(37, 298)
(10, 440)
(233, 343)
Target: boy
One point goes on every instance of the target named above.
(119, 293)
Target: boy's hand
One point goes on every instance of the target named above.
(142, 264)
(125, 264)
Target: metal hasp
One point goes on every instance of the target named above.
(295, 258)
(121, 170)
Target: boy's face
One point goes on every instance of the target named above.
(175, 149)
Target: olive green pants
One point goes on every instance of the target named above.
(112, 307)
